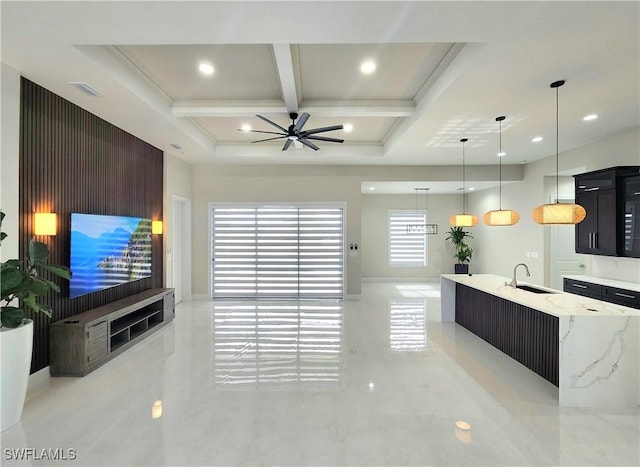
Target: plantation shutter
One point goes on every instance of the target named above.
(278, 252)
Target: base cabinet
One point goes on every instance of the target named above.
(81, 343)
(605, 293)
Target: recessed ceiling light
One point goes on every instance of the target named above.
(368, 67)
(206, 68)
(245, 127)
(502, 154)
(348, 127)
(471, 188)
(588, 118)
(537, 139)
(372, 188)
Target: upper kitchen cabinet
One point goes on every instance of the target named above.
(610, 227)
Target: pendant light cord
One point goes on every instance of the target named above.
(500, 157)
(464, 197)
(557, 149)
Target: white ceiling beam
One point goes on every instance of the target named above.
(226, 108)
(241, 108)
(284, 64)
(369, 108)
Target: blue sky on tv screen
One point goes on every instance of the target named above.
(103, 253)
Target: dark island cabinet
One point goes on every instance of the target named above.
(606, 229)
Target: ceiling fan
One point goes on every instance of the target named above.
(296, 133)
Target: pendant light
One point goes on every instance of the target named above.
(427, 229)
(501, 216)
(464, 219)
(558, 213)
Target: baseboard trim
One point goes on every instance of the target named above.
(200, 296)
(411, 280)
(352, 296)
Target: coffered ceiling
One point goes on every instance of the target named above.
(444, 71)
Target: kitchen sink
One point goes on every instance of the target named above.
(528, 288)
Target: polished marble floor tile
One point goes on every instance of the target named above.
(375, 381)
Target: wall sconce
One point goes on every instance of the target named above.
(44, 223)
(156, 409)
(156, 227)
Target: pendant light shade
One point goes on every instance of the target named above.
(558, 213)
(501, 216)
(464, 219)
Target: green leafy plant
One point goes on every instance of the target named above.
(21, 283)
(457, 237)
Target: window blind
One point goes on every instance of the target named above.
(407, 247)
(278, 252)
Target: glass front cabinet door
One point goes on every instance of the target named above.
(631, 228)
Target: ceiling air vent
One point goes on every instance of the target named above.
(84, 87)
(176, 146)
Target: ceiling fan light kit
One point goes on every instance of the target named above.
(500, 217)
(558, 213)
(295, 132)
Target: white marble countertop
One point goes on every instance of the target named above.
(634, 286)
(559, 303)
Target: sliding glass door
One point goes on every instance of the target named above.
(278, 252)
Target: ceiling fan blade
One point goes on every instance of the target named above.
(268, 139)
(287, 144)
(301, 121)
(324, 138)
(308, 143)
(272, 123)
(320, 130)
(261, 131)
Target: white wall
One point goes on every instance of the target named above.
(269, 184)
(10, 147)
(375, 235)
(177, 181)
(500, 248)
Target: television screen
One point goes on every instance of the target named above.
(107, 251)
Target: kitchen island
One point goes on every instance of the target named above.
(586, 347)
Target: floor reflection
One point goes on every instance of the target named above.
(431, 290)
(277, 345)
(407, 330)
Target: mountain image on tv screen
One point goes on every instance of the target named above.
(107, 251)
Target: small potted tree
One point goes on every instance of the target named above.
(463, 252)
(21, 283)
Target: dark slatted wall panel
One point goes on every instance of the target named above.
(526, 335)
(73, 161)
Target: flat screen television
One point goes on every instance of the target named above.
(107, 251)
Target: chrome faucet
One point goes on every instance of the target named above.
(514, 283)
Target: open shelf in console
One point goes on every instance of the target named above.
(80, 345)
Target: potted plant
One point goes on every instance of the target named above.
(21, 283)
(457, 237)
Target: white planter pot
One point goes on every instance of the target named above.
(16, 345)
